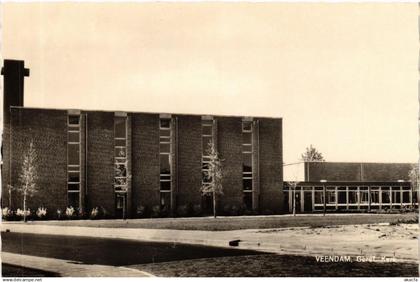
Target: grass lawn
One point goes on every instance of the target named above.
(270, 265)
(240, 222)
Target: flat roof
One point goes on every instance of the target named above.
(335, 162)
(139, 112)
(349, 183)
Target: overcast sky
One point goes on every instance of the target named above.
(342, 76)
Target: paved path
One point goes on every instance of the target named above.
(344, 240)
(68, 268)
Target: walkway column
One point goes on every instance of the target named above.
(324, 192)
(380, 197)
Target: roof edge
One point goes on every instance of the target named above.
(142, 112)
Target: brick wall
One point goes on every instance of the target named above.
(145, 160)
(189, 160)
(48, 130)
(386, 172)
(271, 162)
(5, 168)
(230, 148)
(256, 167)
(100, 161)
(335, 171)
(83, 171)
(129, 205)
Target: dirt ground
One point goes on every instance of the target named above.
(271, 265)
(397, 241)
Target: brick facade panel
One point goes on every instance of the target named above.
(271, 165)
(83, 171)
(386, 172)
(5, 168)
(47, 130)
(145, 160)
(130, 207)
(335, 171)
(317, 171)
(189, 160)
(229, 138)
(100, 164)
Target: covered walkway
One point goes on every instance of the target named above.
(349, 196)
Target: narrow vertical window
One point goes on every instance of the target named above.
(207, 137)
(207, 140)
(120, 164)
(247, 160)
(165, 155)
(73, 160)
(120, 154)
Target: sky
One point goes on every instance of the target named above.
(342, 76)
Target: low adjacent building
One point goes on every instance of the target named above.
(351, 187)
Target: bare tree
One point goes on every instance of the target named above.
(213, 185)
(413, 175)
(312, 154)
(27, 178)
(10, 188)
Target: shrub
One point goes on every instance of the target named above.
(247, 212)
(141, 211)
(103, 213)
(164, 212)
(227, 209)
(59, 214)
(407, 209)
(197, 210)
(20, 213)
(234, 210)
(70, 212)
(250, 212)
(267, 212)
(81, 214)
(183, 210)
(41, 212)
(156, 211)
(94, 213)
(7, 214)
(242, 209)
(411, 220)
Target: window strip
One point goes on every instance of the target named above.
(207, 124)
(73, 170)
(165, 139)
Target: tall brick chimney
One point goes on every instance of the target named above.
(13, 72)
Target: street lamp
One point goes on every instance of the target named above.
(324, 192)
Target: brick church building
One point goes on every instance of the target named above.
(123, 160)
